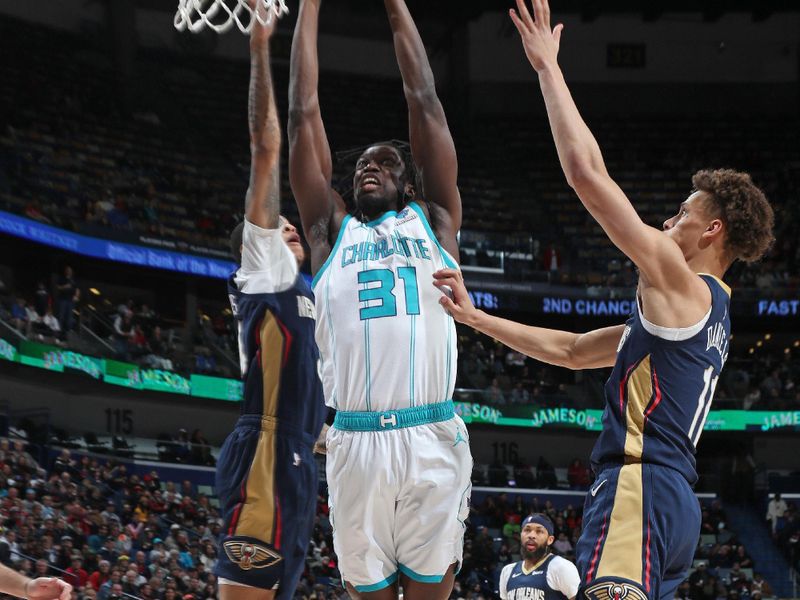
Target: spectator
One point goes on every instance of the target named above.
(519, 395)
(776, 509)
(45, 327)
(760, 586)
(201, 449)
(578, 475)
(159, 348)
(123, 335)
(562, 545)
(41, 299)
(546, 474)
(67, 295)
(493, 394)
(19, 316)
(76, 574)
(101, 575)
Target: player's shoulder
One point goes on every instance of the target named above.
(505, 577)
(508, 569)
(560, 562)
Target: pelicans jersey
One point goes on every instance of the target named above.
(387, 342)
(641, 517)
(555, 578)
(398, 459)
(660, 391)
(266, 473)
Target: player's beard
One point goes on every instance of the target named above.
(535, 556)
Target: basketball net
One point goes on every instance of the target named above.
(220, 15)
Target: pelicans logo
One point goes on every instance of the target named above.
(249, 555)
(614, 591)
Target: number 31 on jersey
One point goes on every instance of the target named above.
(387, 280)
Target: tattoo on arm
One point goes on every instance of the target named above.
(263, 201)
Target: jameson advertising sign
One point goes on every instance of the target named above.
(129, 375)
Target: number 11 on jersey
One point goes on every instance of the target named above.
(385, 292)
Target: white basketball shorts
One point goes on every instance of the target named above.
(399, 488)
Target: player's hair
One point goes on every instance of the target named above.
(744, 209)
(236, 242)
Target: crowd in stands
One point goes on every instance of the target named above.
(764, 379)
(110, 533)
(48, 314)
(501, 376)
(784, 520)
(489, 372)
(722, 567)
(114, 534)
(79, 158)
(58, 306)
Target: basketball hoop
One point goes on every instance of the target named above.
(220, 15)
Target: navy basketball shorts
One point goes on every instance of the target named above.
(641, 523)
(267, 486)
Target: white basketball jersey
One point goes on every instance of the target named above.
(385, 341)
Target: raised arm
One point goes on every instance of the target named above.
(310, 166)
(431, 143)
(590, 350)
(263, 203)
(659, 258)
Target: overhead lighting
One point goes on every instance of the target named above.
(767, 336)
(796, 344)
(94, 291)
(759, 343)
(751, 350)
(786, 350)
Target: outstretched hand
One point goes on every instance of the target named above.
(264, 22)
(460, 306)
(540, 42)
(48, 588)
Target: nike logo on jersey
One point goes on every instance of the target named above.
(596, 488)
(516, 575)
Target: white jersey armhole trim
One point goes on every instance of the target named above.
(673, 334)
(505, 574)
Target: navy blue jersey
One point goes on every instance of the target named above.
(660, 391)
(279, 356)
(555, 578)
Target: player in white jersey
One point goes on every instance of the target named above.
(540, 575)
(398, 463)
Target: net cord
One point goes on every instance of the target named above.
(198, 15)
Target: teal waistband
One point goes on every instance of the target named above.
(394, 419)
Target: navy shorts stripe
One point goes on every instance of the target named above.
(276, 558)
